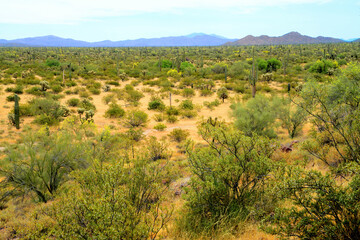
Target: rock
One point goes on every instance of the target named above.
(288, 147)
(179, 185)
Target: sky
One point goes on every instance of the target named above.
(94, 20)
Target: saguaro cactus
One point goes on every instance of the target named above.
(17, 112)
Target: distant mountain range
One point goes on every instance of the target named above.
(289, 38)
(195, 39)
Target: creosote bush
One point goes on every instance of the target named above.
(114, 111)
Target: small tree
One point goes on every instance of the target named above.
(179, 135)
(256, 117)
(229, 177)
(136, 118)
(41, 164)
(114, 111)
(318, 208)
(292, 119)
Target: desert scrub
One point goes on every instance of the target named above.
(114, 111)
(73, 102)
(160, 127)
(178, 135)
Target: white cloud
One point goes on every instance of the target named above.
(74, 11)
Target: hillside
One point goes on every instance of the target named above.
(289, 38)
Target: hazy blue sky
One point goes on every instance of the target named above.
(94, 20)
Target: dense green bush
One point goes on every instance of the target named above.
(319, 208)
(160, 127)
(136, 118)
(256, 117)
(47, 111)
(114, 201)
(324, 66)
(41, 164)
(73, 102)
(188, 92)
(229, 180)
(156, 104)
(179, 135)
(187, 104)
(114, 111)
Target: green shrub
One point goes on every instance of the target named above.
(19, 89)
(35, 91)
(317, 207)
(87, 105)
(179, 135)
(188, 92)
(47, 111)
(115, 201)
(48, 158)
(159, 117)
(206, 92)
(223, 93)
(52, 63)
(11, 98)
(324, 66)
(229, 178)
(25, 110)
(114, 83)
(219, 68)
(73, 102)
(189, 113)
(172, 111)
(94, 90)
(9, 89)
(187, 104)
(136, 118)
(257, 117)
(156, 104)
(172, 119)
(160, 127)
(114, 111)
(213, 104)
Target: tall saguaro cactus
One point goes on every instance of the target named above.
(17, 112)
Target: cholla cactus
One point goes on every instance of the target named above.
(106, 88)
(44, 86)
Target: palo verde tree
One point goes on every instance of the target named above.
(230, 174)
(256, 117)
(42, 163)
(334, 111)
(318, 206)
